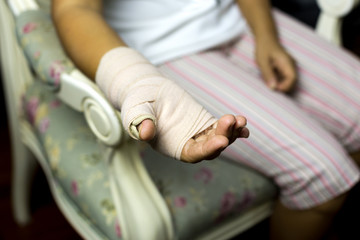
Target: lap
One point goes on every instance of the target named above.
(285, 144)
(328, 78)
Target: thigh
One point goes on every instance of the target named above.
(328, 86)
(306, 162)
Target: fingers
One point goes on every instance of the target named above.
(268, 74)
(242, 132)
(231, 127)
(279, 74)
(146, 130)
(240, 122)
(210, 143)
(226, 125)
(287, 75)
(195, 151)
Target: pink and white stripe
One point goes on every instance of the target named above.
(301, 141)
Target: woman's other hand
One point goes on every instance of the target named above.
(277, 66)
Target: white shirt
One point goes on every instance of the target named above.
(163, 30)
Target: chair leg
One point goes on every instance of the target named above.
(15, 74)
(23, 169)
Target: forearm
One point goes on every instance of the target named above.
(259, 18)
(84, 33)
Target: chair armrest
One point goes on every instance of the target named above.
(337, 8)
(78, 92)
(330, 19)
(39, 40)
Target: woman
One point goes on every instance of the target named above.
(302, 120)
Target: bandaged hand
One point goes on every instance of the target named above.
(136, 88)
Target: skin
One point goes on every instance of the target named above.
(277, 66)
(79, 23)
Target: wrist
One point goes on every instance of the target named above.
(269, 39)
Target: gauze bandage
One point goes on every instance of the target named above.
(136, 88)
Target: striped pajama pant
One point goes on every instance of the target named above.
(303, 140)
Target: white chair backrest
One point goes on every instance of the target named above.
(19, 6)
(15, 66)
(330, 20)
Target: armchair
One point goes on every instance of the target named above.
(107, 185)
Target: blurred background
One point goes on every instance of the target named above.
(49, 223)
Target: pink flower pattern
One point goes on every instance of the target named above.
(247, 199)
(44, 125)
(228, 202)
(31, 108)
(55, 104)
(29, 27)
(205, 175)
(118, 229)
(180, 202)
(75, 188)
(56, 68)
(37, 54)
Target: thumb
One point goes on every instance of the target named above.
(268, 74)
(146, 130)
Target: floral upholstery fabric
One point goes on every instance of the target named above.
(199, 196)
(41, 45)
(206, 194)
(74, 157)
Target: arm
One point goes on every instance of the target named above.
(276, 65)
(79, 24)
(88, 39)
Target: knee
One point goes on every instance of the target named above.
(323, 189)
